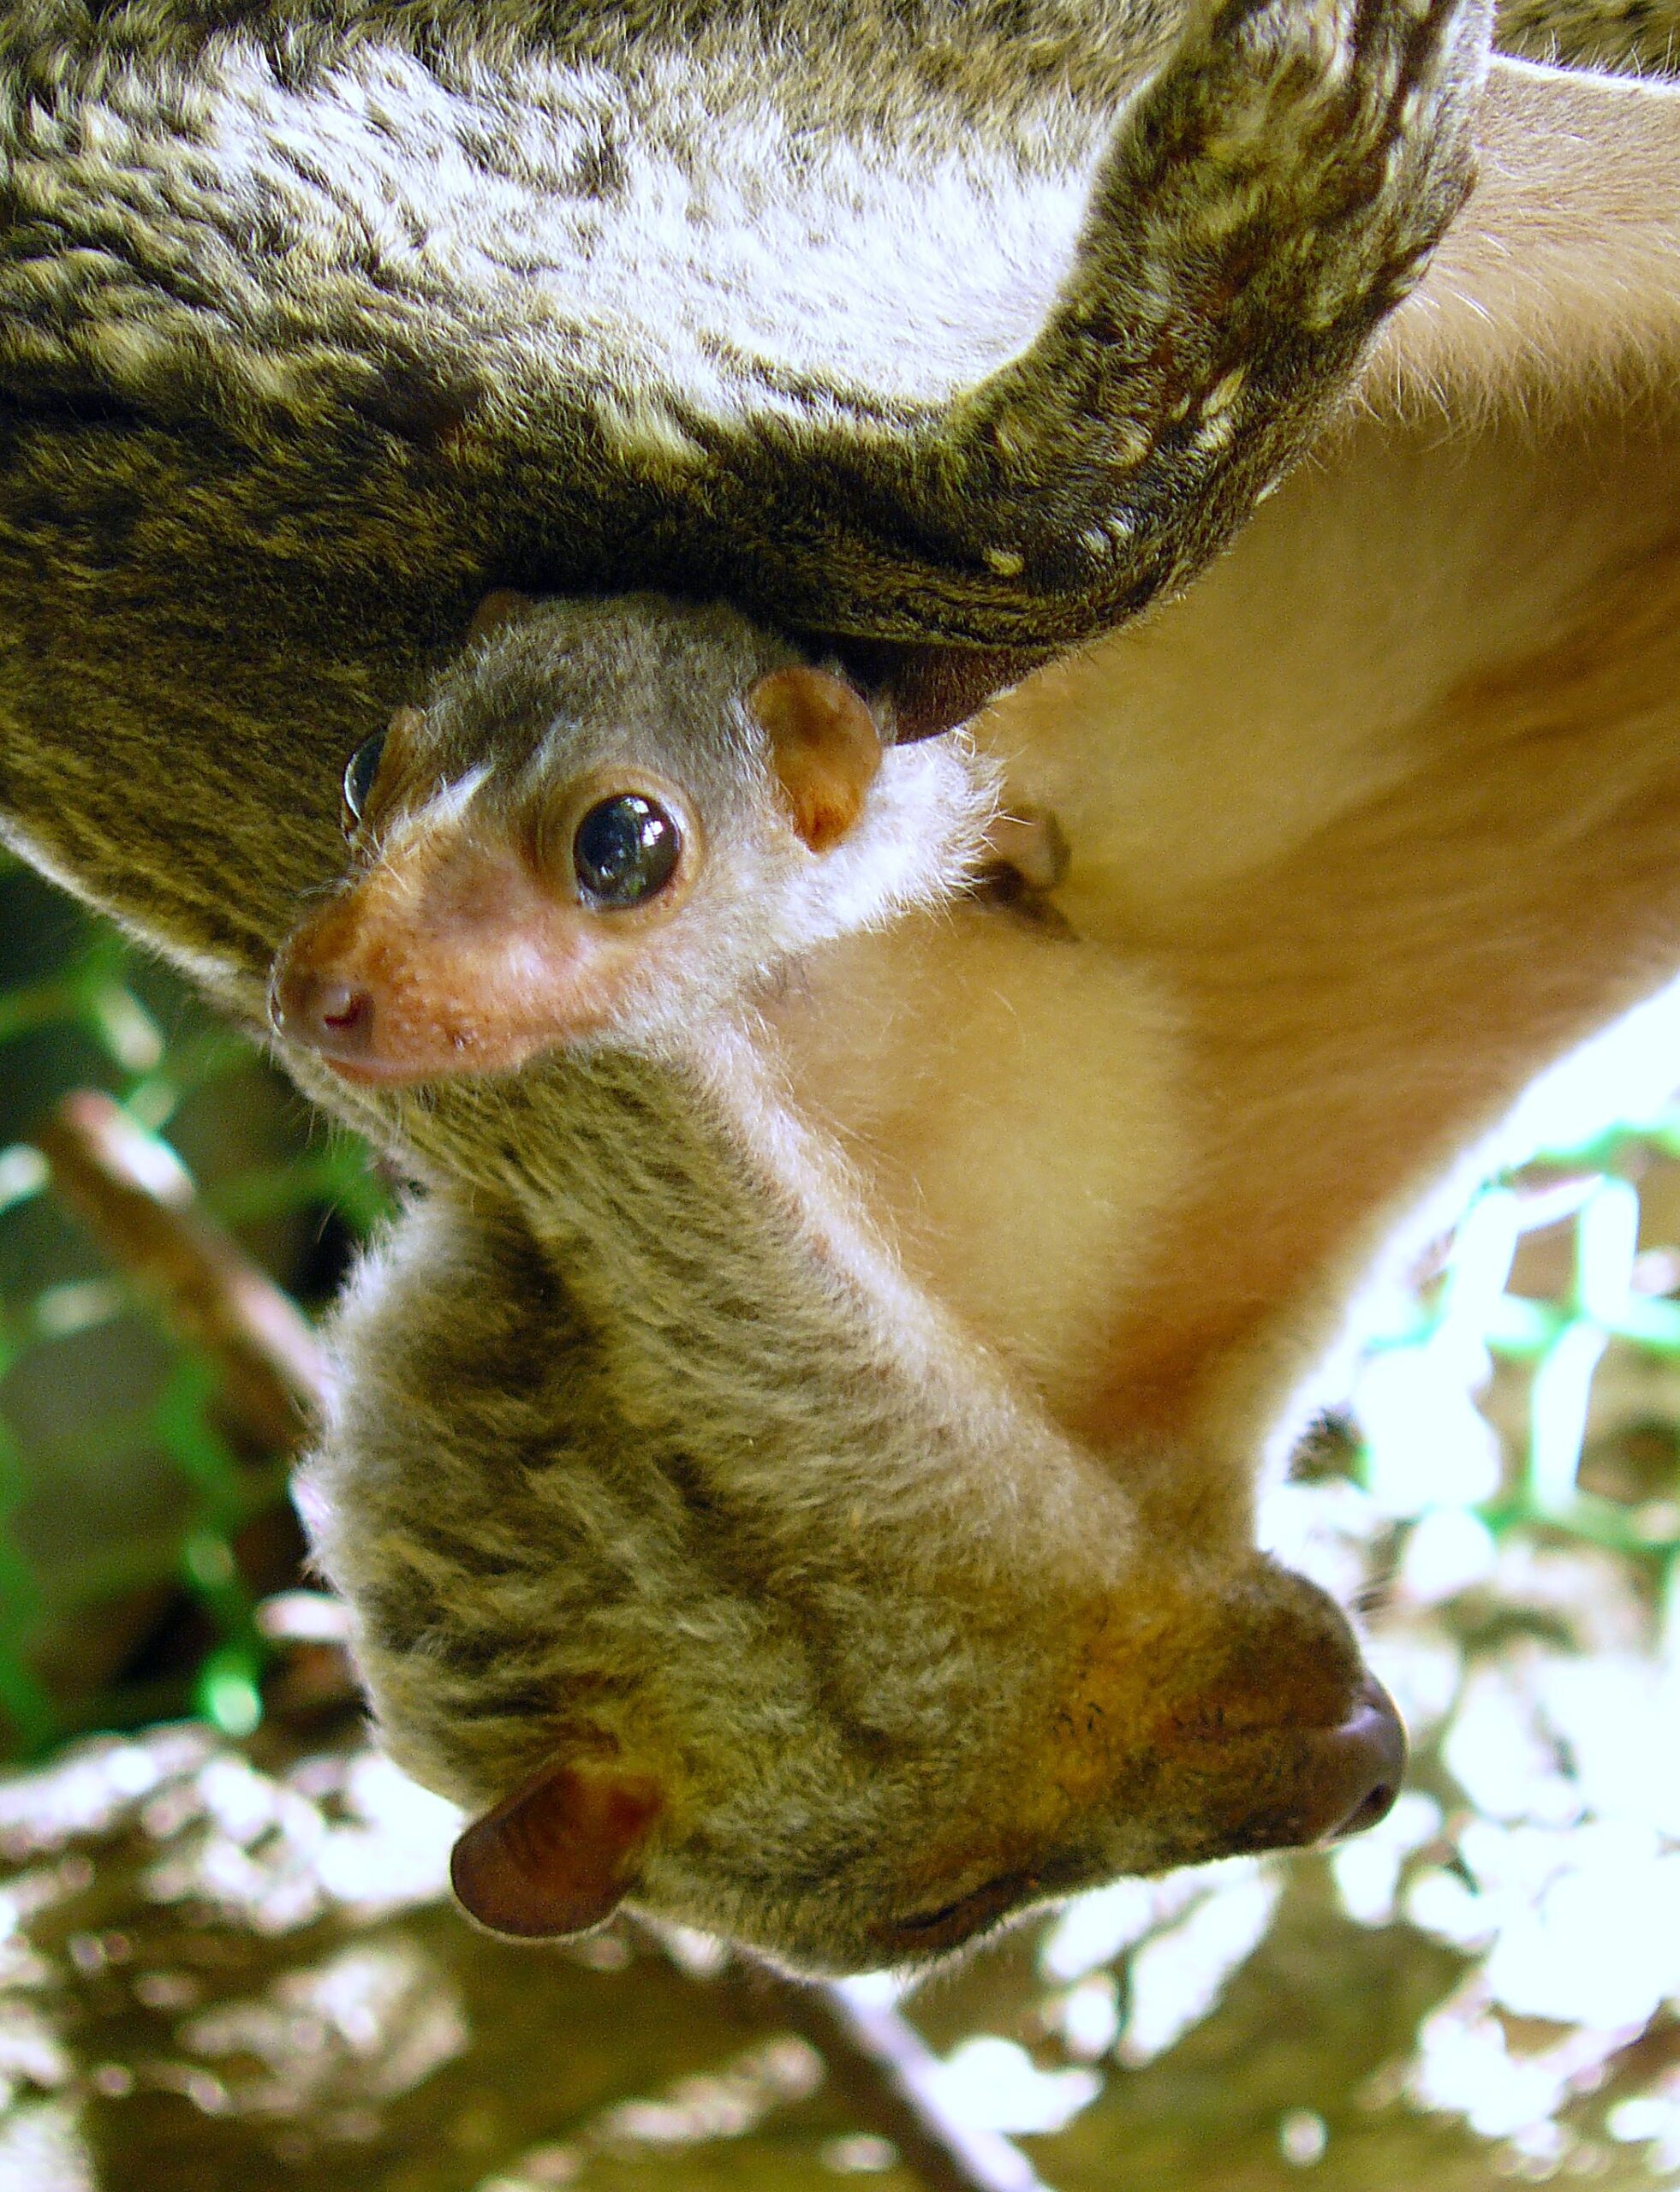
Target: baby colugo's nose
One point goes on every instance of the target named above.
(322, 1011)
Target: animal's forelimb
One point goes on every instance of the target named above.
(1269, 196)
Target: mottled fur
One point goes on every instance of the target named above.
(652, 1455)
(1640, 38)
(1010, 1673)
(646, 1453)
(315, 322)
(642, 275)
(1283, 1036)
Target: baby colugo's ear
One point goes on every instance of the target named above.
(501, 606)
(559, 1855)
(826, 746)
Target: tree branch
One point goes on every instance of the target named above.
(885, 2068)
(140, 1203)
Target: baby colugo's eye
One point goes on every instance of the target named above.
(625, 850)
(360, 770)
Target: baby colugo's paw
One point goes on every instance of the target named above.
(1025, 858)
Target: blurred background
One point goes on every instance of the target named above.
(226, 1956)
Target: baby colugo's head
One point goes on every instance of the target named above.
(611, 818)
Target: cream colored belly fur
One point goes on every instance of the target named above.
(1374, 823)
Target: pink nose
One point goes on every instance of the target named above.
(321, 1012)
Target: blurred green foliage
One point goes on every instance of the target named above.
(118, 1488)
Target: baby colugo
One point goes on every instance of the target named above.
(692, 1545)
(609, 818)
